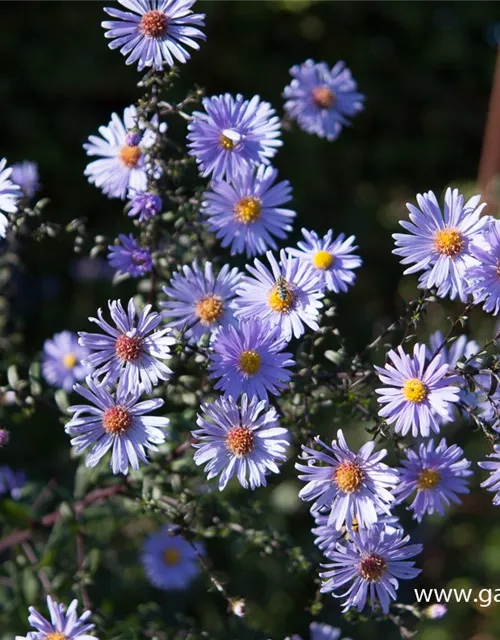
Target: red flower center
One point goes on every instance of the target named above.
(153, 24)
(240, 441)
(323, 97)
(116, 420)
(128, 348)
(372, 567)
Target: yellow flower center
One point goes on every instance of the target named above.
(448, 242)
(55, 635)
(128, 348)
(226, 143)
(414, 390)
(171, 557)
(323, 260)
(249, 362)
(116, 420)
(153, 24)
(69, 360)
(428, 479)
(129, 156)
(247, 210)
(209, 310)
(282, 297)
(372, 567)
(240, 441)
(349, 477)
(323, 97)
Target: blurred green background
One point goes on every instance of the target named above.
(426, 70)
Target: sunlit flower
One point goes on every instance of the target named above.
(65, 624)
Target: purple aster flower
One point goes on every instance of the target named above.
(418, 393)
(121, 165)
(437, 474)
(493, 466)
(289, 296)
(372, 561)
(64, 624)
(356, 487)
(233, 133)
(249, 359)
(133, 351)
(201, 302)
(12, 482)
(170, 561)
(320, 631)
(246, 212)
(439, 243)
(144, 204)
(25, 175)
(322, 99)
(118, 422)
(157, 31)
(129, 257)
(9, 196)
(332, 260)
(242, 440)
(62, 364)
(484, 279)
(460, 348)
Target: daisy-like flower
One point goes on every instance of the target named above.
(246, 213)
(289, 296)
(62, 364)
(129, 257)
(372, 561)
(320, 631)
(133, 351)
(493, 466)
(11, 482)
(201, 302)
(242, 440)
(484, 278)
(437, 473)
(233, 133)
(170, 562)
(9, 195)
(418, 395)
(249, 359)
(118, 422)
(25, 175)
(322, 99)
(460, 348)
(143, 204)
(356, 487)
(157, 31)
(332, 259)
(439, 243)
(122, 148)
(64, 624)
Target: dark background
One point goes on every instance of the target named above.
(426, 70)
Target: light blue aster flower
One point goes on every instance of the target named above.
(63, 623)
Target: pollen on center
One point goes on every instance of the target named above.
(414, 390)
(250, 362)
(323, 260)
(372, 567)
(209, 310)
(428, 479)
(171, 556)
(349, 477)
(449, 242)
(248, 209)
(69, 360)
(116, 420)
(130, 156)
(240, 441)
(282, 298)
(56, 635)
(153, 24)
(128, 348)
(323, 97)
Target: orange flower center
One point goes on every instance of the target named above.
(249, 362)
(372, 567)
(209, 310)
(128, 348)
(116, 420)
(349, 477)
(153, 24)
(69, 360)
(323, 97)
(414, 390)
(240, 441)
(171, 557)
(428, 479)
(55, 635)
(448, 242)
(247, 210)
(129, 156)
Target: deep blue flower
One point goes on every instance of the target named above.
(62, 360)
(143, 204)
(129, 257)
(64, 624)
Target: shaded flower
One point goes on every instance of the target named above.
(355, 487)
(326, 535)
(144, 204)
(129, 257)
(201, 302)
(288, 297)
(484, 278)
(233, 133)
(493, 466)
(332, 260)
(246, 212)
(64, 624)
(320, 631)
(435, 611)
(9, 196)
(460, 348)
(439, 243)
(157, 31)
(372, 561)
(12, 481)
(249, 359)
(242, 440)
(25, 175)
(437, 474)
(418, 393)
(4, 437)
(133, 351)
(121, 165)
(322, 99)
(170, 562)
(119, 422)
(62, 360)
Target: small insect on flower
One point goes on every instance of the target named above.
(171, 562)
(62, 360)
(10, 194)
(64, 624)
